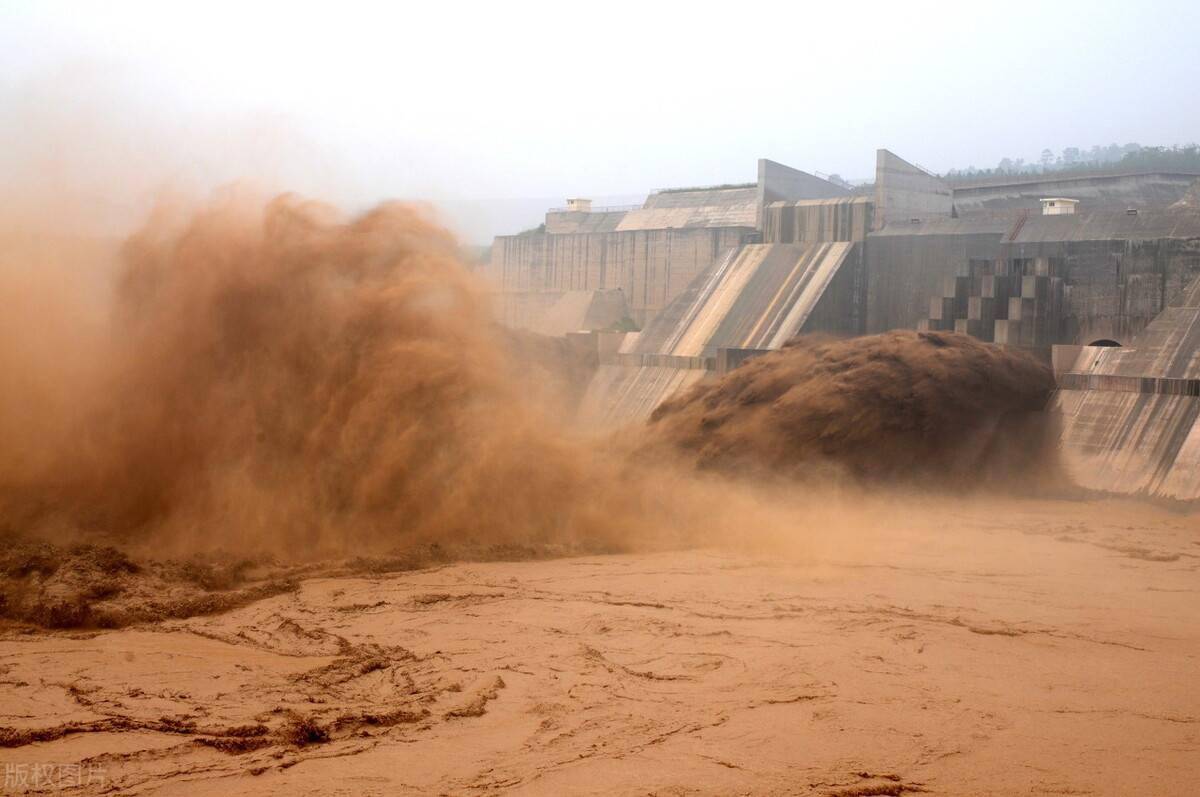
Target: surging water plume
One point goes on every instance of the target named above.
(282, 377)
(927, 408)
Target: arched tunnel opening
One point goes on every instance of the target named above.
(1105, 342)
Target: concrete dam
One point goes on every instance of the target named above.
(1098, 274)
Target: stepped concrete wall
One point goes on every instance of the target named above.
(1120, 271)
(907, 265)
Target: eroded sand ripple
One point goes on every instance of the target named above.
(1004, 648)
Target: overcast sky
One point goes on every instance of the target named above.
(448, 101)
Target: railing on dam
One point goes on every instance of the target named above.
(603, 209)
(1165, 385)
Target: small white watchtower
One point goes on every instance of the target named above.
(1059, 206)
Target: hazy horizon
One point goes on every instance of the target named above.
(483, 110)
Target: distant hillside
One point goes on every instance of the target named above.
(1130, 157)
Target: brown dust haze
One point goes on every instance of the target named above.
(278, 376)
